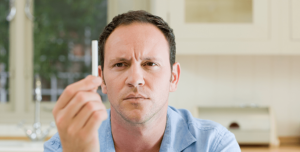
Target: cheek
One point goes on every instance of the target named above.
(160, 90)
(114, 84)
(160, 82)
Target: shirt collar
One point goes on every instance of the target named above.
(177, 135)
(105, 135)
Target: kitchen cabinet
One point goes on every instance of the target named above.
(227, 27)
(290, 27)
(249, 123)
(215, 19)
(295, 19)
(214, 27)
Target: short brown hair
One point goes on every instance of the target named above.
(142, 17)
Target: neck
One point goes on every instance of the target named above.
(138, 137)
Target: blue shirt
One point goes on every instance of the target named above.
(183, 133)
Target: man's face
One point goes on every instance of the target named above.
(137, 71)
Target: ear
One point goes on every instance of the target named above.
(103, 85)
(175, 76)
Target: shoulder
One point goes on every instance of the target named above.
(209, 135)
(196, 124)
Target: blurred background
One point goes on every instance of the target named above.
(240, 62)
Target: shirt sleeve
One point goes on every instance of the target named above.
(53, 144)
(228, 143)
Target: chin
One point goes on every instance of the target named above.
(137, 112)
(135, 115)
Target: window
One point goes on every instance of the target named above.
(49, 38)
(63, 31)
(4, 52)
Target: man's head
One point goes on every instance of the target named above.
(137, 52)
(140, 17)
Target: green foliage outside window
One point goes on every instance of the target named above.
(4, 34)
(60, 23)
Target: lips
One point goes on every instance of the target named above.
(134, 97)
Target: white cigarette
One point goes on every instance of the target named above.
(95, 58)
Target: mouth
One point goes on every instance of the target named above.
(135, 97)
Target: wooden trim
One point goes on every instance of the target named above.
(18, 138)
(289, 140)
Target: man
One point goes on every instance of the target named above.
(138, 70)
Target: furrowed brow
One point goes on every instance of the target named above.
(151, 59)
(118, 60)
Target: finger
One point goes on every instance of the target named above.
(88, 83)
(95, 89)
(83, 115)
(77, 103)
(94, 121)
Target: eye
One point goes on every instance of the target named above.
(150, 64)
(119, 65)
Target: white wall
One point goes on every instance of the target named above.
(232, 80)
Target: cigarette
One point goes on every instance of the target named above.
(95, 58)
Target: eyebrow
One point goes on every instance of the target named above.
(118, 59)
(151, 58)
(127, 60)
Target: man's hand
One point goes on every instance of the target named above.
(78, 114)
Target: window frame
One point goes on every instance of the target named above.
(20, 106)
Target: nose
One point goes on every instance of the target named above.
(135, 76)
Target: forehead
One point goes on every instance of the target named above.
(136, 38)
